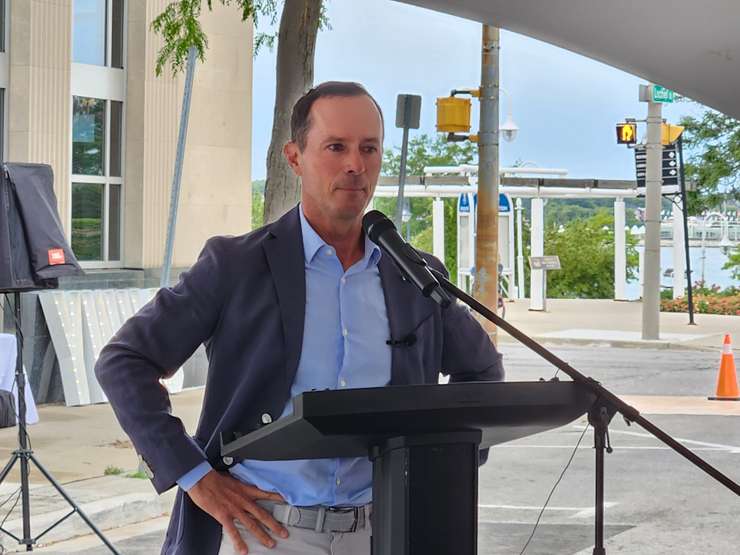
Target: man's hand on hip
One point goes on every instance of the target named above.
(227, 499)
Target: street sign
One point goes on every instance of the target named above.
(670, 170)
(626, 133)
(504, 204)
(408, 111)
(463, 203)
(549, 262)
(661, 94)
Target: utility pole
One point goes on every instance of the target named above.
(653, 187)
(486, 243)
(164, 279)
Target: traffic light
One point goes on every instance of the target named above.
(453, 115)
(669, 134)
(626, 133)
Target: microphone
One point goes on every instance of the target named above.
(407, 341)
(383, 233)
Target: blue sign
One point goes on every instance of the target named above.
(463, 203)
(504, 204)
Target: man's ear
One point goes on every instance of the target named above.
(293, 155)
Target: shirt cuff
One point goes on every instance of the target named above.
(194, 476)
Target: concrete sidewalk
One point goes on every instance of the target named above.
(616, 323)
(76, 445)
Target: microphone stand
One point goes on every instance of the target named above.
(599, 416)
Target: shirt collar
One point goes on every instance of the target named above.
(312, 243)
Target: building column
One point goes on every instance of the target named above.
(39, 97)
(520, 289)
(537, 248)
(438, 228)
(620, 252)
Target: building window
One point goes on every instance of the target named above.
(97, 32)
(96, 178)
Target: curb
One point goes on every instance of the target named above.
(106, 513)
(646, 344)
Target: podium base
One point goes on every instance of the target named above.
(424, 500)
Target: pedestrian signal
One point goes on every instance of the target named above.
(626, 133)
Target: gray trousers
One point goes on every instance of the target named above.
(304, 542)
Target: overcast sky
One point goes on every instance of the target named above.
(566, 105)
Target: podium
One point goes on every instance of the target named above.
(424, 442)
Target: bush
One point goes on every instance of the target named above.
(707, 300)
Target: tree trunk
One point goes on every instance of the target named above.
(299, 25)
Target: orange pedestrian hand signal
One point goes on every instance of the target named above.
(626, 133)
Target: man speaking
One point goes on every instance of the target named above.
(307, 302)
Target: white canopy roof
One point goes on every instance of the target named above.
(689, 46)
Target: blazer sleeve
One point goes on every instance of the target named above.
(152, 345)
(468, 354)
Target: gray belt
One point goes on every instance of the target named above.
(320, 519)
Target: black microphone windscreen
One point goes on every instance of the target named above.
(374, 223)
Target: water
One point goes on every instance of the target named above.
(713, 272)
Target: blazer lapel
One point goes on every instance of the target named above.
(284, 253)
(399, 304)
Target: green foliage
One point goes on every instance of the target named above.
(733, 263)
(714, 146)
(267, 40)
(139, 475)
(428, 151)
(586, 251)
(112, 471)
(180, 28)
(258, 203)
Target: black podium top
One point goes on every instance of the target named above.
(346, 423)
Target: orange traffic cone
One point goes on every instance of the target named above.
(727, 389)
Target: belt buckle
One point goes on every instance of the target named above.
(343, 510)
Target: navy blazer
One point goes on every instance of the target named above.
(244, 299)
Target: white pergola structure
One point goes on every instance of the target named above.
(463, 179)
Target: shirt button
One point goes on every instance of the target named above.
(329, 252)
(343, 280)
(342, 383)
(345, 333)
(338, 481)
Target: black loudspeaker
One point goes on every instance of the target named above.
(33, 255)
(33, 250)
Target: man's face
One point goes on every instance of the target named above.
(340, 163)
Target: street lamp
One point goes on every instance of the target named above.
(508, 129)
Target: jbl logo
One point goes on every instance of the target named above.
(56, 256)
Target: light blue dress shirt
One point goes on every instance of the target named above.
(344, 346)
